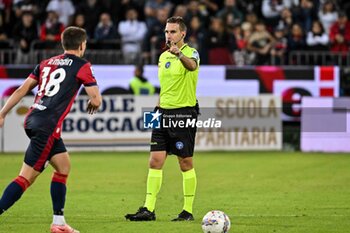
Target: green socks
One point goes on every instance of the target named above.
(189, 188)
(154, 181)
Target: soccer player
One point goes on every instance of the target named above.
(178, 74)
(58, 79)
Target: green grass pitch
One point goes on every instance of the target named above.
(272, 192)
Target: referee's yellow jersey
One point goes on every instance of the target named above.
(177, 84)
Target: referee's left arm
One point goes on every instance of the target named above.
(189, 63)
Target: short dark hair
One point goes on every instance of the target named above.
(139, 67)
(179, 20)
(72, 37)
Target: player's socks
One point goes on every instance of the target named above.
(58, 197)
(189, 188)
(13, 192)
(59, 220)
(154, 182)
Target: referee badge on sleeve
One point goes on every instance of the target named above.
(195, 55)
(167, 65)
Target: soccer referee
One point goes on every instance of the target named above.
(178, 75)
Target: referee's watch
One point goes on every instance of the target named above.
(180, 55)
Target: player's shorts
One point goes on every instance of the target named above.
(41, 148)
(175, 140)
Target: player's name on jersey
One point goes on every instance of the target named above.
(61, 62)
(39, 106)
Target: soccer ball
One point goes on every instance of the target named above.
(216, 221)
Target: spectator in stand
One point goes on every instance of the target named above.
(105, 29)
(21, 6)
(196, 35)
(210, 7)
(328, 15)
(155, 36)
(5, 18)
(218, 44)
(3, 34)
(193, 10)
(51, 29)
(79, 21)
(296, 39)
(152, 7)
(250, 6)
(24, 33)
(340, 34)
(132, 32)
(286, 21)
(251, 18)
(180, 10)
(64, 9)
(305, 13)
(271, 10)
(117, 9)
(260, 43)
(238, 54)
(279, 48)
(91, 10)
(231, 8)
(317, 39)
(242, 34)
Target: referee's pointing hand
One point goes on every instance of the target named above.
(174, 49)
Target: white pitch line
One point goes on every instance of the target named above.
(233, 216)
(291, 215)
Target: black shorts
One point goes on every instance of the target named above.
(174, 139)
(41, 148)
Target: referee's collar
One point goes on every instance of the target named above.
(183, 46)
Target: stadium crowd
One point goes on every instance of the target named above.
(224, 31)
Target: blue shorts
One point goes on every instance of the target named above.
(41, 148)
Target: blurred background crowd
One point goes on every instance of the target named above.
(240, 32)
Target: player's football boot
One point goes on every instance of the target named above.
(184, 216)
(62, 229)
(143, 214)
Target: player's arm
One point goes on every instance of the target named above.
(95, 98)
(16, 96)
(87, 78)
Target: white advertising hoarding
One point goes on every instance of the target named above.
(248, 123)
(211, 80)
(325, 124)
(325, 84)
